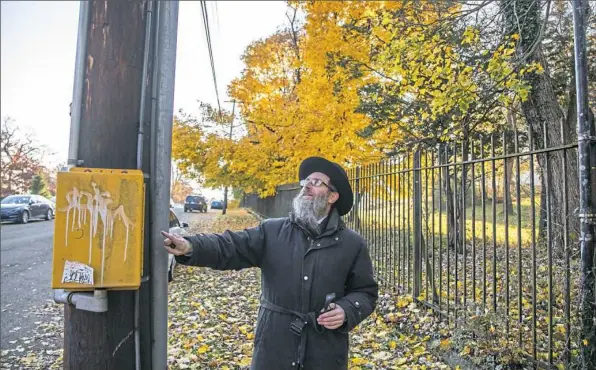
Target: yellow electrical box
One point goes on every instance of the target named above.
(98, 232)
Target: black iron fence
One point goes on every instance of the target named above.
(484, 234)
(279, 205)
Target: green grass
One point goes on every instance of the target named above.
(385, 216)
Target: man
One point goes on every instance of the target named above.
(304, 259)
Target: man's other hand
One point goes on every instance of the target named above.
(332, 319)
(175, 244)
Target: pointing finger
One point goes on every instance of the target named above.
(173, 238)
(167, 235)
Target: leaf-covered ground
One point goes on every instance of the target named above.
(42, 347)
(213, 313)
(212, 317)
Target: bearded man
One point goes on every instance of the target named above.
(317, 279)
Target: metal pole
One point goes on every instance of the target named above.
(587, 216)
(160, 176)
(79, 79)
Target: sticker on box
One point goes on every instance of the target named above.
(76, 272)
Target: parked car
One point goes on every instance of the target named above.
(176, 227)
(195, 203)
(217, 204)
(22, 208)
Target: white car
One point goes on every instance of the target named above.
(176, 227)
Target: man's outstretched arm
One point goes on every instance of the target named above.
(227, 251)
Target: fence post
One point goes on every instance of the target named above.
(357, 203)
(417, 225)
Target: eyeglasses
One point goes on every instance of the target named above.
(316, 183)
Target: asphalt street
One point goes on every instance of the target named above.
(25, 273)
(26, 266)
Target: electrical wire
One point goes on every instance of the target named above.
(210, 49)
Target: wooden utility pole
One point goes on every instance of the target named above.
(107, 138)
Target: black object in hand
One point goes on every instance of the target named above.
(328, 300)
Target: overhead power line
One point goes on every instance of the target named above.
(210, 48)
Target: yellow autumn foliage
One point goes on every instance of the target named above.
(354, 83)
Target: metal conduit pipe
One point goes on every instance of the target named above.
(79, 79)
(140, 139)
(146, 47)
(151, 186)
(96, 301)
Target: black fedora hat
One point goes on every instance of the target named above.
(338, 176)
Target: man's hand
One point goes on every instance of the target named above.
(175, 244)
(332, 319)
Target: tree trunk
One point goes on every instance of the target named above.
(546, 122)
(451, 200)
(463, 191)
(512, 119)
(8, 185)
(355, 214)
(507, 184)
(542, 215)
(225, 202)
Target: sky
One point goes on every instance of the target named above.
(37, 56)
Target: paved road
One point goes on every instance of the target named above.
(189, 217)
(192, 216)
(26, 267)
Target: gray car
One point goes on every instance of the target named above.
(195, 203)
(22, 208)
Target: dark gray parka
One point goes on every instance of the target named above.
(298, 271)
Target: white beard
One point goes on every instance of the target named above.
(308, 212)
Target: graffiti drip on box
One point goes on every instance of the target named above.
(86, 207)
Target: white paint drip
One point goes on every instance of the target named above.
(97, 206)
